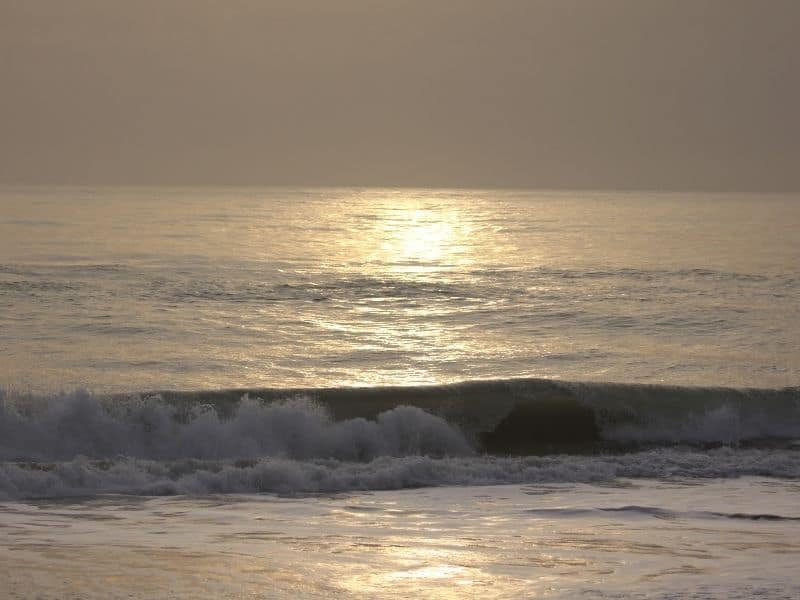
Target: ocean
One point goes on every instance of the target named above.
(359, 392)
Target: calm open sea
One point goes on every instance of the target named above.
(598, 390)
(134, 289)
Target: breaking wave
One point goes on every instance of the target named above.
(81, 424)
(339, 439)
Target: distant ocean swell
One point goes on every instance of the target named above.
(339, 439)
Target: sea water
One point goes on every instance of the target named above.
(266, 392)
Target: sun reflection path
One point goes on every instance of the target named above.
(453, 572)
(421, 237)
(436, 568)
(411, 238)
(413, 253)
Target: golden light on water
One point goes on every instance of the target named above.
(453, 572)
(410, 237)
(442, 571)
(422, 236)
(411, 241)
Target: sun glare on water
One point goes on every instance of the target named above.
(423, 238)
(411, 238)
(415, 250)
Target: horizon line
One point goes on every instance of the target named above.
(434, 187)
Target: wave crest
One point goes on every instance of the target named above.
(79, 423)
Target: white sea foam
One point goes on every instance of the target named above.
(694, 415)
(724, 424)
(82, 476)
(62, 427)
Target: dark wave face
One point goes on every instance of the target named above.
(539, 416)
(335, 439)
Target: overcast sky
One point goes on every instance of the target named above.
(643, 94)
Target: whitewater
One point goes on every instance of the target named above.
(447, 392)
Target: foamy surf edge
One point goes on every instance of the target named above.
(84, 477)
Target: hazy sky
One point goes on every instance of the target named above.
(691, 94)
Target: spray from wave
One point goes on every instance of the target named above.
(81, 424)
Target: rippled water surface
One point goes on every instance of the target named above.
(614, 490)
(133, 289)
(656, 540)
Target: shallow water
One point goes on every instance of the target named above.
(632, 539)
